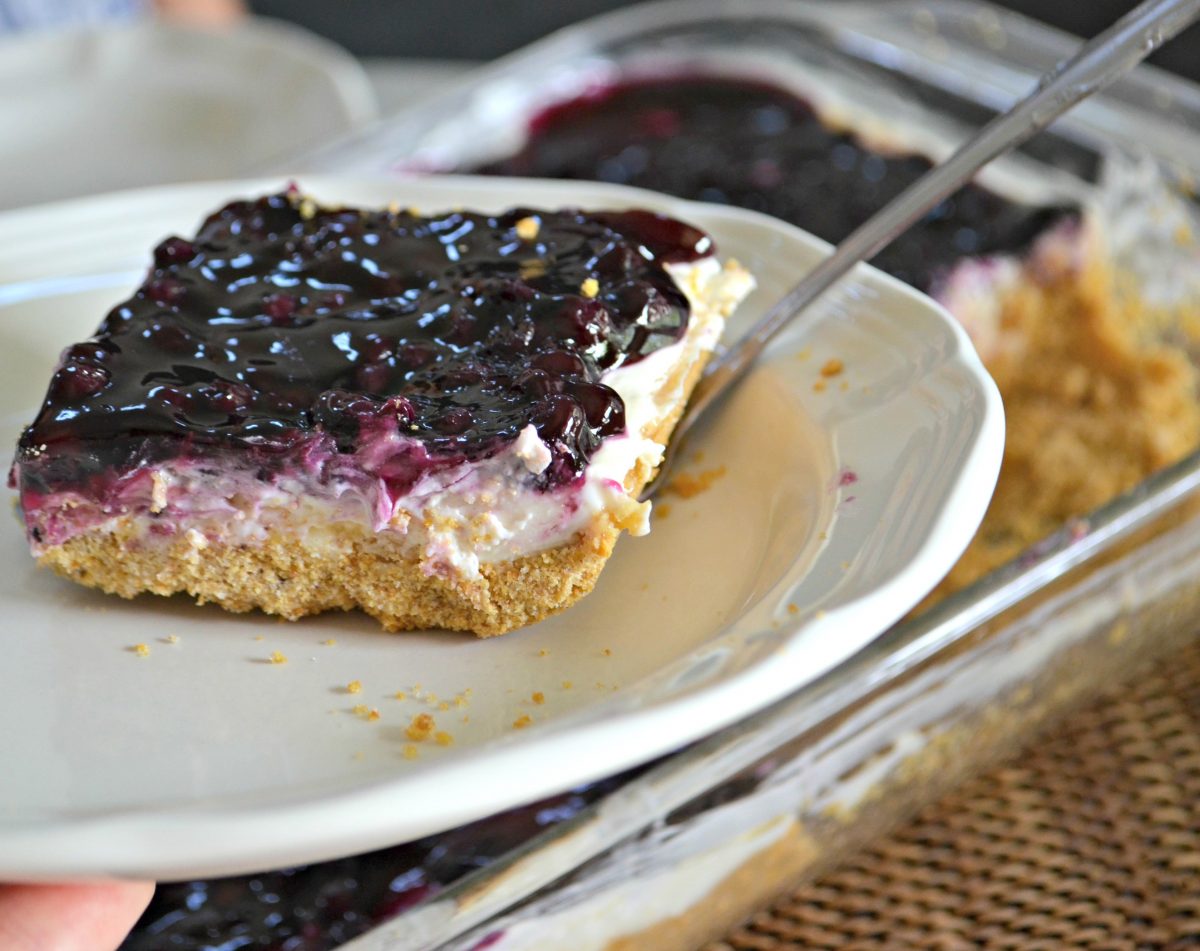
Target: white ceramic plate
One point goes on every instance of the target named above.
(145, 104)
(839, 508)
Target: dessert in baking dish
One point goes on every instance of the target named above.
(1095, 399)
(1040, 300)
(444, 421)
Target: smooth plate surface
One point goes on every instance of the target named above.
(842, 502)
(145, 104)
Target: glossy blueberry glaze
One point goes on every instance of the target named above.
(281, 323)
(751, 144)
(320, 907)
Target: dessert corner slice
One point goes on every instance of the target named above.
(444, 421)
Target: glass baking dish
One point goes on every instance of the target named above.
(680, 851)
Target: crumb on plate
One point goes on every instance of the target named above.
(421, 727)
(687, 486)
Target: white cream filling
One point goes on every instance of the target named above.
(486, 512)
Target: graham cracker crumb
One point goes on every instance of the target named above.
(528, 228)
(421, 727)
(538, 697)
(355, 686)
(793, 608)
(522, 721)
(687, 486)
(832, 367)
(158, 492)
(442, 738)
(373, 715)
(532, 268)
(819, 386)
(606, 652)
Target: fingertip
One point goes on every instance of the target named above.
(92, 916)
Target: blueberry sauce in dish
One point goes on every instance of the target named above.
(321, 907)
(282, 328)
(751, 144)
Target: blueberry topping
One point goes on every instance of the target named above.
(751, 144)
(281, 321)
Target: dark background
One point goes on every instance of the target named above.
(484, 29)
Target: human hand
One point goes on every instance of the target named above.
(201, 12)
(91, 917)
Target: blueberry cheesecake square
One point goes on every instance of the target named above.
(443, 421)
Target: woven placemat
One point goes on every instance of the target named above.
(1089, 839)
